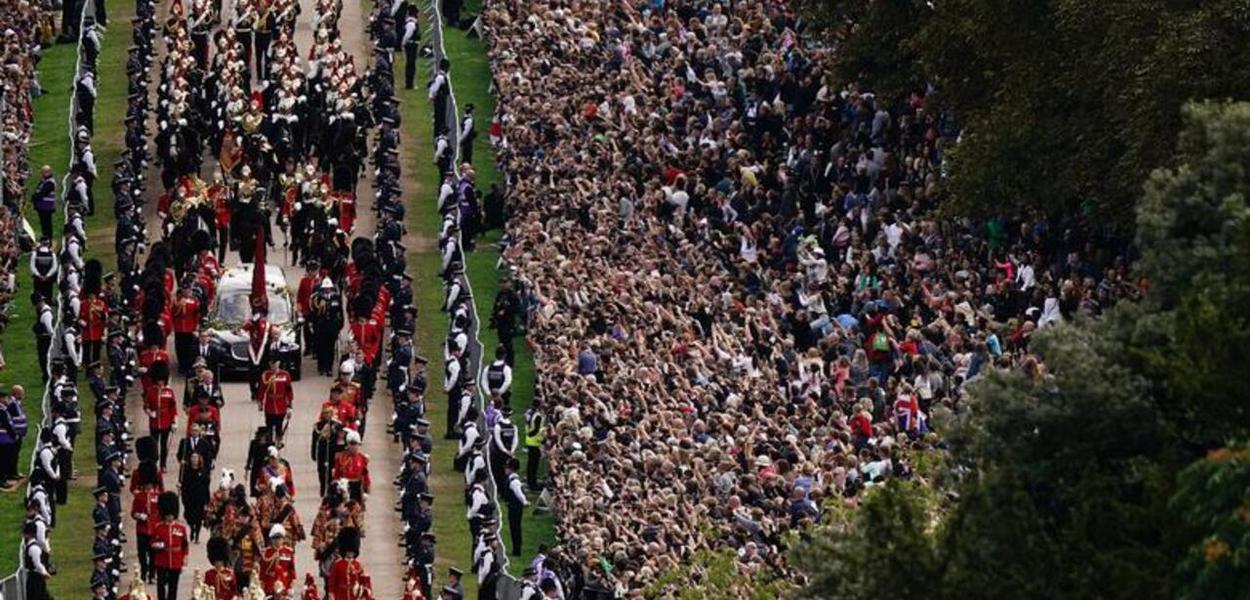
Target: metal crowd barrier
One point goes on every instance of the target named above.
(508, 588)
(13, 587)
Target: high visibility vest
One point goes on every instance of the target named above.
(534, 431)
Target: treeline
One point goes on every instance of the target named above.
(1122, 468)
(1065, 106)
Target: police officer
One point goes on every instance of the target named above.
(534, 422)
(480, 506)
(514, 497)
(410, 40)
(444, 154)
(497, 377)
(37, 561)
(44, 268)
(439, 94)
(64, 453)
(468, 133)
(47, 471)
(489, 568)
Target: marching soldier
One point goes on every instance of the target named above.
(276, 396)
(353, 465)
(346, 571)
(187, 313)
(220, 578)
(170, 546)
(327, 322)
(277, 562)
(325, 446)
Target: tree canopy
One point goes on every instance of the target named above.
(1073, 481)
(1066, 105)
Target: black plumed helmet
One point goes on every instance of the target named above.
(168, 504)
(349, 541)
(218, 550)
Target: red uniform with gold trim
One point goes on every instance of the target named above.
(169, 545)
(345, 411)
(259, 335)
(276, 392)
(277, 564)
(147, 358)
(163, 407)
(353, 466)
(93, 311)
(350, 393)
(368, 335)
(145, 511)
(345, 575)
(186, 314)
(347, 210)
(222, 581)
(221, 204)
(307, 286)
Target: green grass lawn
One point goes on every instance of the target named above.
(421, 188)
(50, 145)
(471, 80)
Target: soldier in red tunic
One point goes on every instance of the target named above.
(346, 570)
(308, 285)
(353, 465)
(260, 335)
(187, 315)
(146, 513)
(275, 398)
(310, 588)
(169, 546)
(221, 577)
(93, 316)
(161, 404)
(344, 411)
(277, 562)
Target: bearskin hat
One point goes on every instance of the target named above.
(145, 449)
(153, 303)
(200, 241)
(152, 334)
(149, 473)
(159, 371)
(349, 541)
(92, 275)
(362, 305)
(168, 504)
(218, 550)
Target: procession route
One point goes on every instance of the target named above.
(241, 417)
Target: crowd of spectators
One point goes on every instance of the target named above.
(743, 300)
(25, 27)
